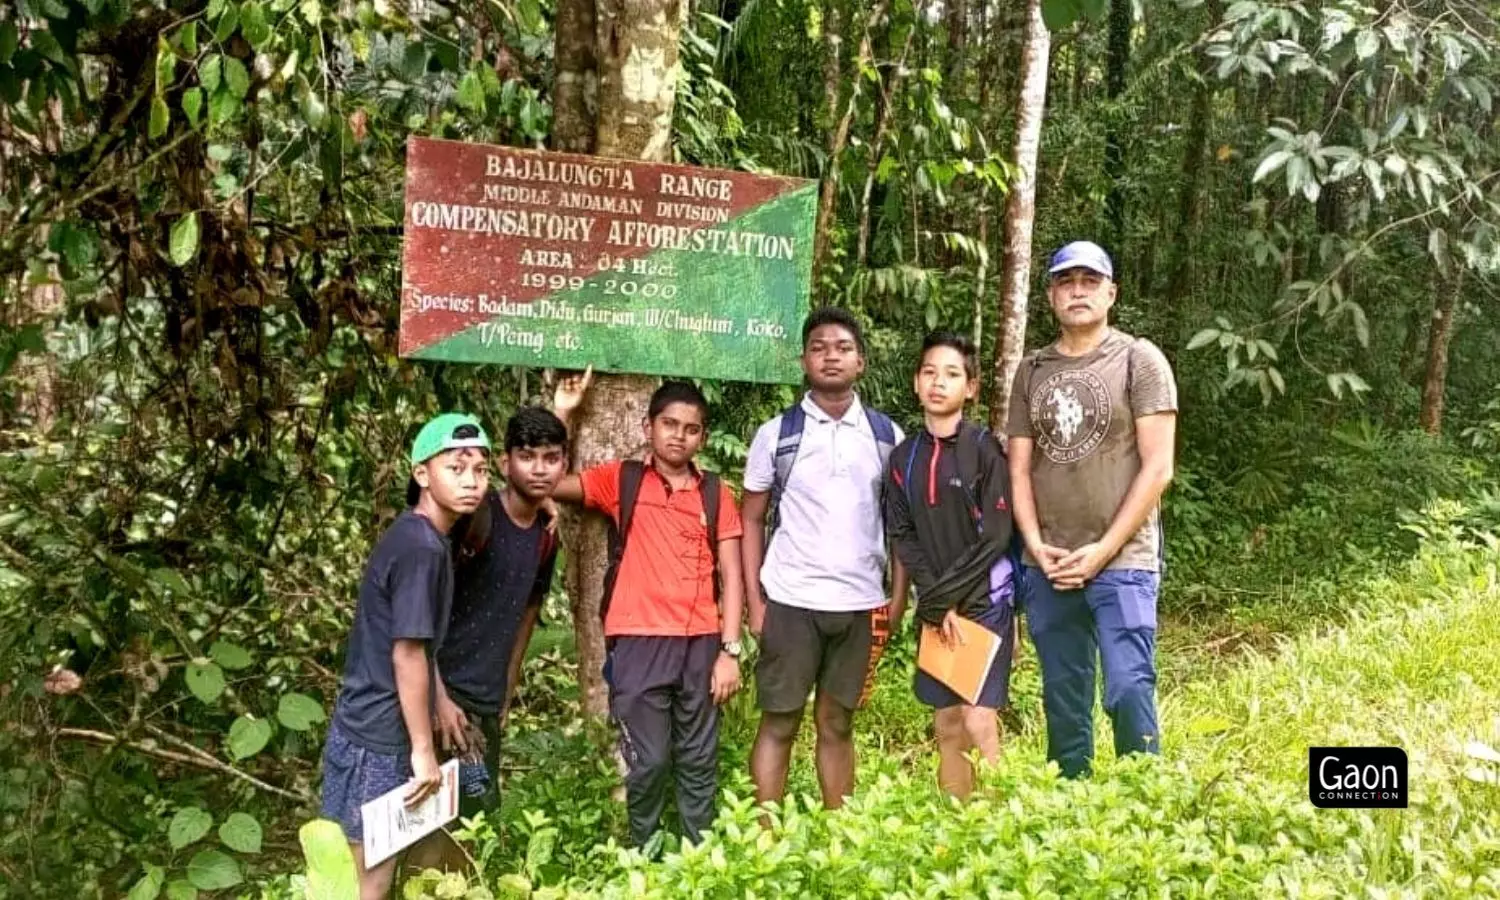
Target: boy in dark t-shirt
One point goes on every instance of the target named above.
(381, 736)
(505, 554)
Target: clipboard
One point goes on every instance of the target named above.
(965, 668)
(391, 826)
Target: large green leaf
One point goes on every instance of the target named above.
(231, 656)
(184, 239)
(248, 736)
(470, 93)
(299, 712)
(166, 65)
(187, 38)
(211, 73)
(181, 889)
(192, 104)
(253, 24)
(213, 870)
(149, 887)
(160, 117)
(236, 77)
(228, 22)
(330, 864)
(241, 833)
(189, 825)
(205, 680)
(223, 106)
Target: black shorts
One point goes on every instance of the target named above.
(836, 651)
(1000, 619)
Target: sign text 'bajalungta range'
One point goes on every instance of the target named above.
(548, 259)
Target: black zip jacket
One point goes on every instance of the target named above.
(934, 511)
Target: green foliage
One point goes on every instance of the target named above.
(330, 863)
(188, 826)
(202, 406)
(1225, 811)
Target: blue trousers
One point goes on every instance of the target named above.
(1112, 618)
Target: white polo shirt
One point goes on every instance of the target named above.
(828, 552)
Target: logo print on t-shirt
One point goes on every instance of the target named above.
(1070, 414)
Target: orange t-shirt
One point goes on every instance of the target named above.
(665, 586)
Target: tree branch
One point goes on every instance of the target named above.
(199, 759)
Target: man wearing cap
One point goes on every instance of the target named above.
(381, 737)
(1092, 422)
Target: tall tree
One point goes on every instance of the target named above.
(1020, 212)
(638, 73)
(840, 115)
(575, 90)
(1117, 64)
(1447, 286)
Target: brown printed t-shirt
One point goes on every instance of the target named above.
(1081, 413)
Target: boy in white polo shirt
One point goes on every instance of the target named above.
(815, 559)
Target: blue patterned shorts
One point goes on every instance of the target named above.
(353, 776)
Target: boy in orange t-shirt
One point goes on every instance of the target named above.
(672, 657)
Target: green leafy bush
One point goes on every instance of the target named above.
(1224, 813)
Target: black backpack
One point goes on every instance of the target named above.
(632, 472)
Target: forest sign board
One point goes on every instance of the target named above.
(548, 259)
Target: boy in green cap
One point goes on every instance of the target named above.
(381, 734)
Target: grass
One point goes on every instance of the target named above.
(1415, 663)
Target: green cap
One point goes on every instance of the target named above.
(449, 431)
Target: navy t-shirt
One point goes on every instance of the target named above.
(491, 594)
(406, 594)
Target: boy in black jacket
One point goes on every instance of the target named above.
(948, 512)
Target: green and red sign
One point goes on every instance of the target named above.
(550, 259)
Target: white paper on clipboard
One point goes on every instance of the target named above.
(391, 826)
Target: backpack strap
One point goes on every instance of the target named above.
(708, 486)
(632, 471)
(968, 468)
(788, 442)
(885, 433)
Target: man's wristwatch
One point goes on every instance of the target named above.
(732, 648)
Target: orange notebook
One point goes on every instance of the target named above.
(964, 668)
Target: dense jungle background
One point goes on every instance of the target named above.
(202, 414)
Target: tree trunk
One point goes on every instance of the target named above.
(828, 191)
(838, 134)
(1438, 339)
(957, 13)
(1114, 146)
(638, 71)
(882, 126)
(1020, 211)
(1189, 207)
(575, 104)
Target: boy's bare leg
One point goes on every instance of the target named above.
(955, 775)
(374, 884)
(771, 756)
(983, 728)
(835, 751)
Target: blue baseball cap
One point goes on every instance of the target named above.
(1082, 255)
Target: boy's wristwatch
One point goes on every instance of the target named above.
(732, 648)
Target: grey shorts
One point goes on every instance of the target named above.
(802, 648)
